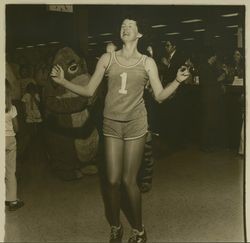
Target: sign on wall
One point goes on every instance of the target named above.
(61, 8)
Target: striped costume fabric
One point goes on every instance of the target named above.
(145, 174)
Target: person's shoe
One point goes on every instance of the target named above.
(116, 234)
(137, 236)
(14, 205)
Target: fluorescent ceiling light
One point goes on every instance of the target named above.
(107, 41)
(159, 26)
(199, 30)
(229, 15)
(54, 42)
(172, 33)
(41, 44)
(29, 46)
(217, 36)
(105, 34)
(93, 43)
(188, 39)
(90, 37)
(191, 21)
(19, 48)
(232, 26)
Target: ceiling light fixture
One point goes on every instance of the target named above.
(229, 15)
(54, 42)
(19, 48)
(158, 26)
(93, 44)
(199, 30)
(172, 33)
(29, 46)
(105, 34)
(191, 21)
(41, 44)
(188, 39)
(232, 26)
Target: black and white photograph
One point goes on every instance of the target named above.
(125, 122)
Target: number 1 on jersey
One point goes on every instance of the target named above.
(123, 89)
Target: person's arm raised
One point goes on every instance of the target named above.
(57, 74)
(163, 93)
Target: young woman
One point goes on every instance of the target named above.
(125, 120)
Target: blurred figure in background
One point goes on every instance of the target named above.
(11, 128)
(31, 99)
(174, 111)
(238, 63)
(211, 90)
(238, 67)
(25, 77)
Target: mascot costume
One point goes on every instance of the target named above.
(71, 136)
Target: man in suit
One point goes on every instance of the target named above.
(173, 111)
(174, 58)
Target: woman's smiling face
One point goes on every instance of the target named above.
(129, 30)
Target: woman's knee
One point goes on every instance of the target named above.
(114, 182)
(129, 181)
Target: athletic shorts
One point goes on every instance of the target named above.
(125, 130)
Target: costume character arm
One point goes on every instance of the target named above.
(88, 90)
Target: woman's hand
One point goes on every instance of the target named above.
(182, 74)
(57, 74)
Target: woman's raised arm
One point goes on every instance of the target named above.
(163, 93)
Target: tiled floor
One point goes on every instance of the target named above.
(196, 197)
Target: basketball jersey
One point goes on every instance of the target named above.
(124, 99)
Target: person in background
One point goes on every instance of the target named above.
(211, 91)
(241, 150)
(238, 63)
(11, 128)
(31, 99)
(26, 77)
(125, 120)
(173, 59)
(239, 71)
(174, 111)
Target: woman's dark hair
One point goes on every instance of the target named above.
(138, 18)
(142, 25)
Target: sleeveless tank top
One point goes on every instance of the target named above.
(124, 100)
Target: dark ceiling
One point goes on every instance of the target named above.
(34, 24)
